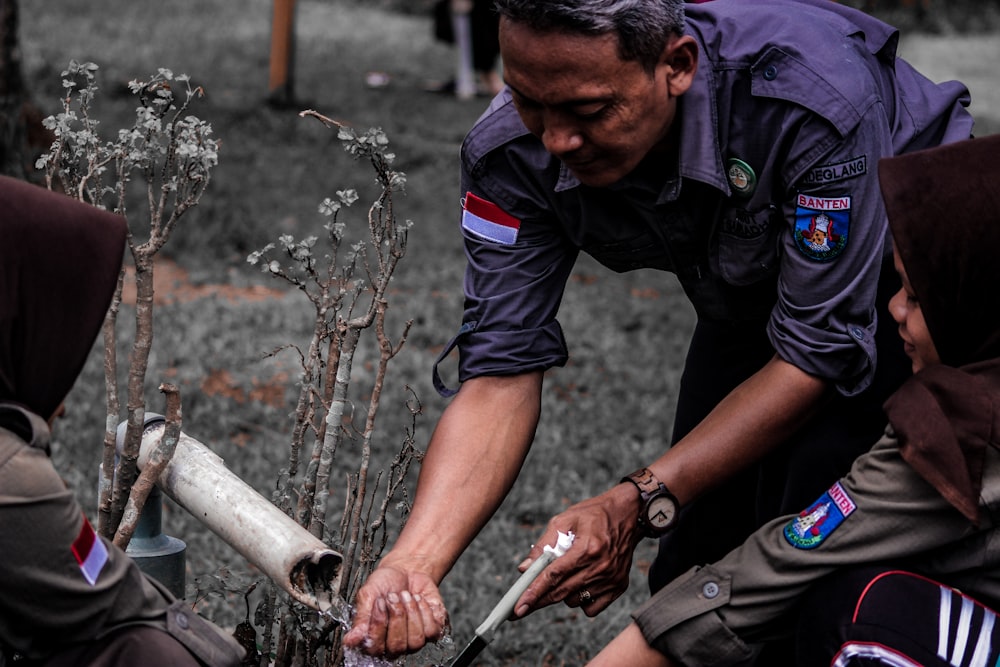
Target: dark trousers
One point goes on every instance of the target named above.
(880, 616)
(720, 357)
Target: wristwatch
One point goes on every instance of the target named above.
(659, 507)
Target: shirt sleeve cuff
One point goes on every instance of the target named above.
(846, 355)
(681, 621)
(511, 352)
(502, 352)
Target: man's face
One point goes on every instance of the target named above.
(599, 114)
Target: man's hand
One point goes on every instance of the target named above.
(594, 572)
(398, 612)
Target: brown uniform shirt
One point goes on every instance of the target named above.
(65, 588)
(711, 614)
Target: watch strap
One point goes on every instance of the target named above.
(645, 481)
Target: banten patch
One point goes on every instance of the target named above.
(831, 173)
(812, 526)
(487, 220)
(822, 225)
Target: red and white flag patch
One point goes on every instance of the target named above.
(90, 552)
(488, 221)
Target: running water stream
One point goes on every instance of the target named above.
(438, 654)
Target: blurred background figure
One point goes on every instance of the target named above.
(472, 26)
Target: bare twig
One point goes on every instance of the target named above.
(346, 309)
(107, 477)
(175, 154)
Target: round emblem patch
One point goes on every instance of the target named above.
(741, 177)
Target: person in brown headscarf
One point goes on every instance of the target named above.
(870, 574)
(67, 596)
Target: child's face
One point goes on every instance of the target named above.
(905, 309)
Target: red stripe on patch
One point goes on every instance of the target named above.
(84, 542)
(90, 553)
(489, 211)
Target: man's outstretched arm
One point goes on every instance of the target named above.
(473, 458)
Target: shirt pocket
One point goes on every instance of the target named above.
(641, 251)
(747, 249)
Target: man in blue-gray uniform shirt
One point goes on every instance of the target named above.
(735, 148)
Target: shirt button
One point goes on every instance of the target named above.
(182, 621)
(710, 590)
(770, 73)
(858, 333)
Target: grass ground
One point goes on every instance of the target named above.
(605, 413)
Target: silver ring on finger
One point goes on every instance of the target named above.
(585, 596)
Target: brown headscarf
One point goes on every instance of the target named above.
(59, 263)
(943, 206)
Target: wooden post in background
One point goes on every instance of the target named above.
(281, 91)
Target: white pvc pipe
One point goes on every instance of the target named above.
(198, 480)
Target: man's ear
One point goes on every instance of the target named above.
(680, 61)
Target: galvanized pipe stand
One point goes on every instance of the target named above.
(160, 556)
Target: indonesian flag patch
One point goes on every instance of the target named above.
(90, 552)
(813, 525)
(821, 225)
(488, 221)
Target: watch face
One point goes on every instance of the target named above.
(660, 512)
